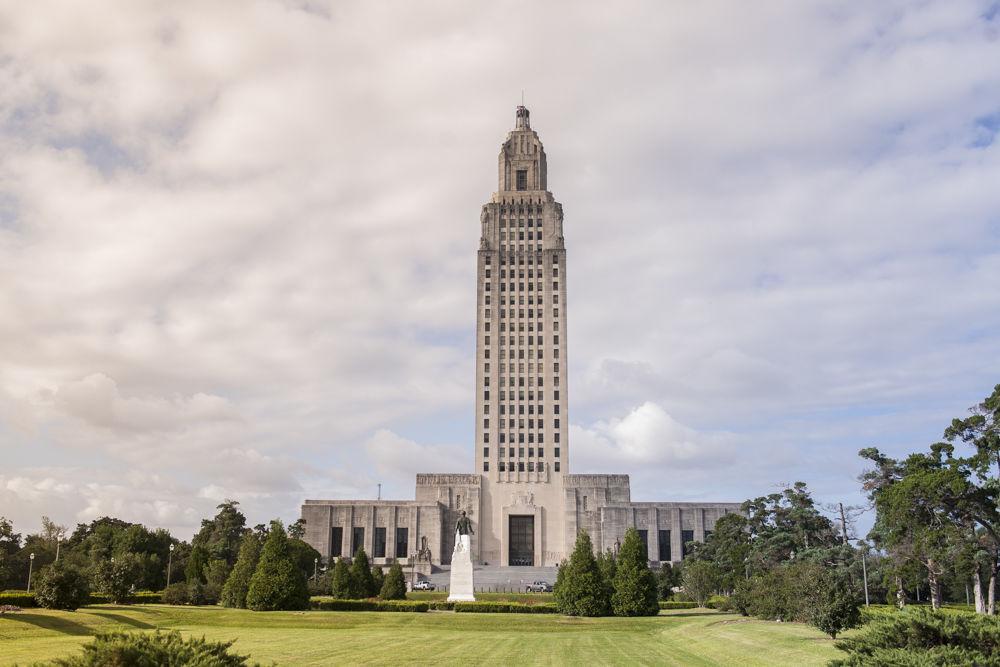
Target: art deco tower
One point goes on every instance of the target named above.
(521, 421)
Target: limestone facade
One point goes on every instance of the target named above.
(525, 506)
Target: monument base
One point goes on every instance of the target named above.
(461, 588)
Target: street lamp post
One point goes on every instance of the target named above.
(31, 565)
(413, 570)
(315, 569)
(170, 561)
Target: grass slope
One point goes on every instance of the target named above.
(688, 637)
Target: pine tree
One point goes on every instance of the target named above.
(234, 593)
(634, 583)
(277, 583)
(343, 584)
(608, 567)
(581, 590)
(394, 586)
(378, 578)
(361, 575)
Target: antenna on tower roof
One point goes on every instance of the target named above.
(522, 97)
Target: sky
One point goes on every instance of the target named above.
(238, 242)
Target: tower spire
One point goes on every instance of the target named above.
(522, 121)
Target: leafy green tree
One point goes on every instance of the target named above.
(221, 535)
(10, 544)
(306, 557)
(634, 584)
(197, 561)
(701, 579)
(729, 548)
(297, 529)
(234, 592)
(394, 586)
(667, 579)
(116, 577)
(608, 567)
(277, 583)
(580, 588)
(216, 574)
(361, 576)
(343, 586)
(836, 610)
(378, 578)
(62, 586)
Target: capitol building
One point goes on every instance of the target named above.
(525, 504)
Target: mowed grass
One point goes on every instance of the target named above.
(685, 637)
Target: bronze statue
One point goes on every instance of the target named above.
(464, 525)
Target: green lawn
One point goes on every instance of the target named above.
(686, 637)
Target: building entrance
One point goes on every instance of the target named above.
(522, 540)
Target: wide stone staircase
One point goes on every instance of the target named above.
(493, 579)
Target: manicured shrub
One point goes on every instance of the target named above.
(176, 594)
(634, 584)
(700, 579)
(487, 607)
(234, 592)
(342, 586)
(159, 648)
(919, 636)
(394, 586)
(361, 576)
(62, 586)
(370, 605)
(277, 583)
(580, 589)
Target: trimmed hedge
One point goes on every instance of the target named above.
(370, 605)
(18, 599)
(505, 608)
(677, 604)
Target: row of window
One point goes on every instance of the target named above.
(509, 286)
(378, 541)
(504, 466)
(520, 273)
(519, 314)
(509, 437)
(505, 409)
(510, 340)
(521, 394)
(520, 208)
(520, 353)
(520, 236)
(520, 325)
(520, 452)
(486, 423)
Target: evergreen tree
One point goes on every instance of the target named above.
(361, 576)
(607, 565)
(581, 590)
(234, 593)
(634, 584)
(394, 586)
(343, 584)
(194, 571)
(378, 578)
(277, 583)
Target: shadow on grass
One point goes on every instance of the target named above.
(54, 623)
(123, 620)
(685, 614)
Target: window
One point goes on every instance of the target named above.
(486, 423)
(556, 408)
(555, 340)
(555, 271)
(555, 438)
(557, 452)
(500, 466)
(556, 423)
(378, 548)
(522, 179)
(486, 452)
(357, 539)
(486, 466)
(556, 464)
(520, 451)
(585, 503)
(501, 452)
(486, 437)
(540, 468)
(336, 542)
(686, 536)
(664, 546)
(541, 452)
(531, 451)
(402, 542)
(644, 536)
(520, 466)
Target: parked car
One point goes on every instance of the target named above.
(539, 587)
(423, 585)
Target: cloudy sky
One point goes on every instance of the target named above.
(237, 241)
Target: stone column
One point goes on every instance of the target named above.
(675, 535)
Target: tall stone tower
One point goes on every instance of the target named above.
(521, 421)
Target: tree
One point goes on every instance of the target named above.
(304, 556)
(221, 535)
(234, 592)
(361, 576)
(667, 579)
(378, 578)
(837, 610)
(297, 529)
(701, 578)
(10, 544)
(277, 583)
(729, 548)
(216, 574)
(343, 586)
(394, 586)
(580, 588)
(62, 586)
(197, 561)
(608, 567)
(116, 577)
(634, 584)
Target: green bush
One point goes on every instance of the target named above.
(234, 592)
(919, 636)
(200, 593)
(835, 610)
(378, 578)
(370, 605)
(140, 649)
(634, 591)
(580, 588)
(504, 608)
(137, 597)
(342, 586)
(176, 594)
(700, 579)
(18, 599)
(720, 602)
(361, 576)
(394, 586)
(115, 577)
(277, 583)
(441, 605)
(62, 586)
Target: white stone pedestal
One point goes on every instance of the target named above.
(461, 588)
